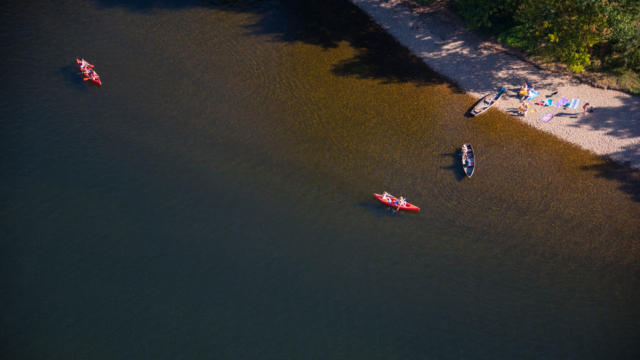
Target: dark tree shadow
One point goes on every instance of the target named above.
(627, 178)
(616, 123)
(624, 125)
(149, 5)
(325, 23)
(330, 22)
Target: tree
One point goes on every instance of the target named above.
(564, 29)
(622, 47)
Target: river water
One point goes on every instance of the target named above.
(213, 198)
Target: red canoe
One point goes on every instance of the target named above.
(88, 72)
(391, 202)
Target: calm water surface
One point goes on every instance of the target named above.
(213, 198)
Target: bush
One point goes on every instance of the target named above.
(622, 42)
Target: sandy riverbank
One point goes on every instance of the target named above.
(479, 67)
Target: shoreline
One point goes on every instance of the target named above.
(479, 67)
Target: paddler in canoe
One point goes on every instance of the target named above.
(85, 65)
(88, 71)
(401, 201)
(398, 202)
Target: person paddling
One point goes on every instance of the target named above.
(401, 202)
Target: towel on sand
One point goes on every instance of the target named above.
(533, 94)
(562, 102)
(546, 117)
(574, 103)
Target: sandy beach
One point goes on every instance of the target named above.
(479, 67)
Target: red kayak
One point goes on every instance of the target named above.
(393, 202)
(88, 72)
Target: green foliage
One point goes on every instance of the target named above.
(623, 36)
(563, 29)
(516, 37)
(574, 32)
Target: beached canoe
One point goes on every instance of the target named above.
(468, 160)
(486, 102)
(88, 72)
(391, 201)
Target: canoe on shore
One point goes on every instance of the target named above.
(392, 202)
(468, 160)
(486, 102)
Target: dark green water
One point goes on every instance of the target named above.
(213, 198)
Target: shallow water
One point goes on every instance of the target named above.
(213, 198)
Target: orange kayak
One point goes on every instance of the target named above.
(392, 201)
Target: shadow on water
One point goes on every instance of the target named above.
(628, 179)
(71, 76)
(625, 126)
(380, 57)
(468, 114)
(455, 164)
(321, 23)
(148, 5)
(377, 209)
(328, 23)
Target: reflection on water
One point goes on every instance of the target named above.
(217, 191)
